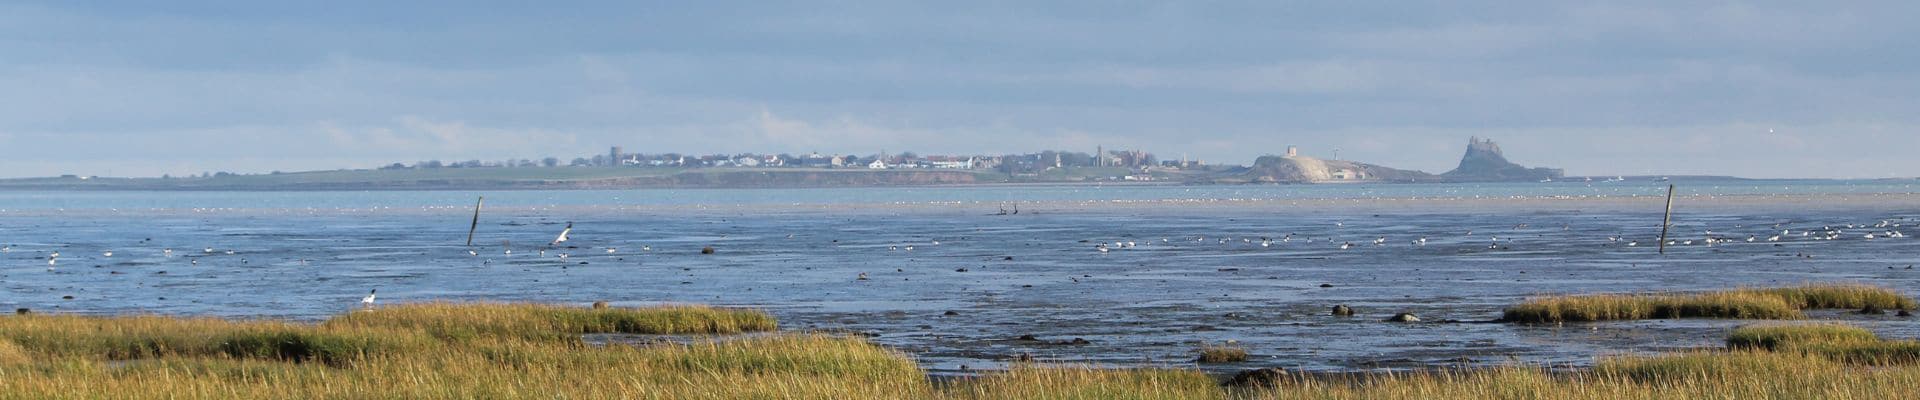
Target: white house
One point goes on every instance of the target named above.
(877, 164)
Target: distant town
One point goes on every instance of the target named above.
(1030, 163)
(1483, 161)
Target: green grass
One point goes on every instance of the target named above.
(1774, 303)
(1212, 354)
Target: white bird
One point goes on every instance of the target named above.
(106, 254)
(54, 255)
(646, 248)
(610, 250)
(563, 234)
(1635, 243)
(7, 249)
(167, 252)
(473, 253)
(1102, 247)
(209, 250)
(1344, 246)
(368, 301)
(563, 256)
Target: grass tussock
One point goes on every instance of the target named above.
(1219, 354)
(1725, 375)
(461, 321)
(1771, 303)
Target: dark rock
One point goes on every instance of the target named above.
(1028, 338)
(1326, 285)
(706, 250)
(1485, 162)
(951, 313)
(1404, 317)
(960, 270)
(600, 305)
(1872, 310)
(1342, 311)
(1263, 377)
(67, 297)
(1009, 258)
(1079, 342)
(22, 311)
(1904, 313)
(1024, 357)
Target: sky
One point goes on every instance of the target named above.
(1787, 89)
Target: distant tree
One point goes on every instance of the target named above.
(909, 156)
(580, 162)
(550, 162)
(430, 164)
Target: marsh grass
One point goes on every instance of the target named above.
(1218, 354)
(461, 321)
(1778, 336)
(414, 353)
(1082, 382)
(1836, 342)
(1772, 303)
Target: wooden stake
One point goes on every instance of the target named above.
(1666, 222)
(476, 220)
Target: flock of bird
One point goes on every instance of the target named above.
(1884, 229)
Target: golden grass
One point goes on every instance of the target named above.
(1212, 354)
(1772, 303)
(1779, 336)
(1739, 375)
(418, 353)
(1837, 342)
(457, 321)
(1078, 382)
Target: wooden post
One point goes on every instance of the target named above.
(1666, 222)
(476, 220)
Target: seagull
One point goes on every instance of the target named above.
(7, 249)
(563, 235)
(368, 301)
(107, 254)
(209, 250)
(610, 250)
(473, 253)
(1344, 246)
(54, 255)
(167, 252)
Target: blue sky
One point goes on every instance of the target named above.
(1656, 87)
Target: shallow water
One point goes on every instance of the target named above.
(1189, 277)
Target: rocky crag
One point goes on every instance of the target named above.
(1485, 162)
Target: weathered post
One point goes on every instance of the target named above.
(1666, 222)
(476, 220)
